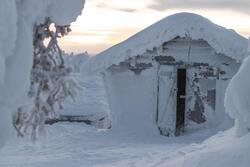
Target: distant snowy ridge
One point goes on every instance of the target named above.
(224, 41)
(76, 61)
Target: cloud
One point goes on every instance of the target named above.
(242, 6)
(111, 6)
(130, 10)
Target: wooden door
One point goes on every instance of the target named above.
(181, 100)
(166, 100)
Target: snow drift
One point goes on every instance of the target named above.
(17, 18)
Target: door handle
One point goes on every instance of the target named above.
(182, 96)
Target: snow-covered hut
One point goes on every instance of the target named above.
(172, 76)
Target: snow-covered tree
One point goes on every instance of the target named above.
(237, 99)
(17, 18)
(51, 83)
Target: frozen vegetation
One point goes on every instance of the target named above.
(16, 47)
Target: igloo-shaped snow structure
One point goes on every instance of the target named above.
(171, 76)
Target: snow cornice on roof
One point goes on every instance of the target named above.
(222, 40)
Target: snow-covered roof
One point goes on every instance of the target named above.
(224, 41)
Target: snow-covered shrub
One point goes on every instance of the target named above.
(237, 98)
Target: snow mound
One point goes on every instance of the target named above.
(237, 98)
(224, 41)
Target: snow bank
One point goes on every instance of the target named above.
(223, 40)
(17, 18)
(222, 150)
(237, 99)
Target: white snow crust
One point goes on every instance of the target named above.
(224, 41)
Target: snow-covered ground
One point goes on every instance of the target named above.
(91, 98)
(75, 145)
(78, 145)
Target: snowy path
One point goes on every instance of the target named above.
(79, 145)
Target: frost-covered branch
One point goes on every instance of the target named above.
(51, 83)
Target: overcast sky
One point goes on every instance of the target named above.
(107, 22)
